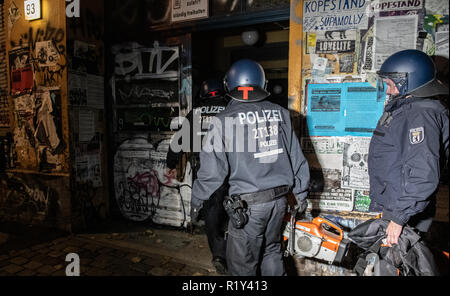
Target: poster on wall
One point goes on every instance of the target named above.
(335, 15)
(325, 192)
(323, 152)
(77, 88)
(187, 10)
(441, 43)
(88, 169)
(343, 109)
(355, 173)
(21, 71)
(46, 53)
(389, 41)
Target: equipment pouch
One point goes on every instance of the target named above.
(236, 210)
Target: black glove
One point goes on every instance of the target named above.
(300, 207)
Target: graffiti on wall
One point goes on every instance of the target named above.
(151, 85)
(142, 189)
(29, 198)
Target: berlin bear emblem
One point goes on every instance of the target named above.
(416, 135)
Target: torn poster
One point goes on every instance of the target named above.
(389, 41)
(86, 125)
(334, 15)
(325, 192)
(46, 53)
(355, 174)
(323, 152)
(343, 109)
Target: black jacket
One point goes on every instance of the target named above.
(204, 111)
(404, 156)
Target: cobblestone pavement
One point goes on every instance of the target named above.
(96, 259)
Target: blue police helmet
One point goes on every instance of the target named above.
(413, 72)
(246, 81)
(211, 88)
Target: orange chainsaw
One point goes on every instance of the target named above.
(319, 238)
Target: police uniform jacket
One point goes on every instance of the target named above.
(208, 108)
(404, 156)
(276, 160)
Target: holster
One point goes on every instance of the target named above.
(236, 210)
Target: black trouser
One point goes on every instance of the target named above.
(258, 243)
(215, 222)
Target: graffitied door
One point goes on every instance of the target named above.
(151, 87)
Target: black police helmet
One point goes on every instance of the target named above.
(211, 88)
(413, 72)
(246, 81)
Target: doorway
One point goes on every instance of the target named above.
(213, 52)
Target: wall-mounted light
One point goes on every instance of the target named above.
(250, 37)
(32, 9)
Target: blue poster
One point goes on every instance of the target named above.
(343, 109)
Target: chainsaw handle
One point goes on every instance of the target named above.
(341, 232)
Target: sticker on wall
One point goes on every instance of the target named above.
(13, 16)
(362, 200)
(340, 41)
(320, 64)
(346, 62)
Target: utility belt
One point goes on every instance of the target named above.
(236, 205)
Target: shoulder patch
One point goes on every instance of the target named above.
(416, 135)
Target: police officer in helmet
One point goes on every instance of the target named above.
(408, 144)
(253, 145)
(212, 102)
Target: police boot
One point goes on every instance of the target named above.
(220, 265)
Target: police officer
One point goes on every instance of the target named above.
(253, 144)
(212, 102)
(410, 138)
